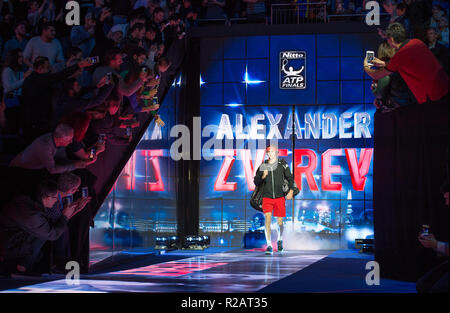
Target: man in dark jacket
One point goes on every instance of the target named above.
(272, 174)
(439, 51)
(37, 91)
(72, 101)
(25, 226)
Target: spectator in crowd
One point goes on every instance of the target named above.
(114, 39)
(71, 101)
(18, 41)
(113, 60)
(437, 12)
(24, 227)
(83, 36)
(402, 18)
(256, 10)
(416, 64)
(390, 7)
(136, 17)
(37, 94)
(443, 30)
(69, 185)
(39, 157)
(137, 59)
(14, 73)
(136, 38)
(188, 13)
(163, 66)
(45, 45)
(13, 76)
(36, 11)
(78, 150)
(436, 280)
(390, 91)
(132, 75)
(158, 17)
(175, 30)
(439, 51)
(74, 55)
(109, 125)
(151, 42)
(103, 15)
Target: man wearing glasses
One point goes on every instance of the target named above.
(25, 227)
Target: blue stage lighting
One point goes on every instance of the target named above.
(162, 242)
(195, 242)
(174, 242)
(248, 81)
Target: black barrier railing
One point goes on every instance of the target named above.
(298, 13)
(353, 17)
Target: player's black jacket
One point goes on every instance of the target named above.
(273, 183)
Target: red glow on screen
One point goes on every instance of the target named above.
(151, 161)
(328, 170)
(152, 156)
(358, 168)
(221, 183)
(173, 269)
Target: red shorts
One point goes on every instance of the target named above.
(275, 206)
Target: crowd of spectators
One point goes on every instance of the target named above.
(419, 32)
(67, 93)
(411, 70)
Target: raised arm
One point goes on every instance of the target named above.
(378, 73)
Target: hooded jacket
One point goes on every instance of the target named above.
(273, 183)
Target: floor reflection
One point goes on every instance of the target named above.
(235, 271)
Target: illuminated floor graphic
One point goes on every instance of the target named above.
(236, 271)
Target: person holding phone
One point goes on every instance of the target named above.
(25, 227)
(72, 100)
(416, 64)
(435, 280)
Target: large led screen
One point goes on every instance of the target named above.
(308, 95)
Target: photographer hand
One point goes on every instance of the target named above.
(27, 73)
(159, 121)
(143, 76)
(77, 206)
(84, 63)
(378, 63)
(100, 147)
(428, 241)
(103, 81)
(154, 82)
(69, 210)
(126, 117)
(149, 108)
(105, 14)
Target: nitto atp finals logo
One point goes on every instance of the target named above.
(292, 70)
